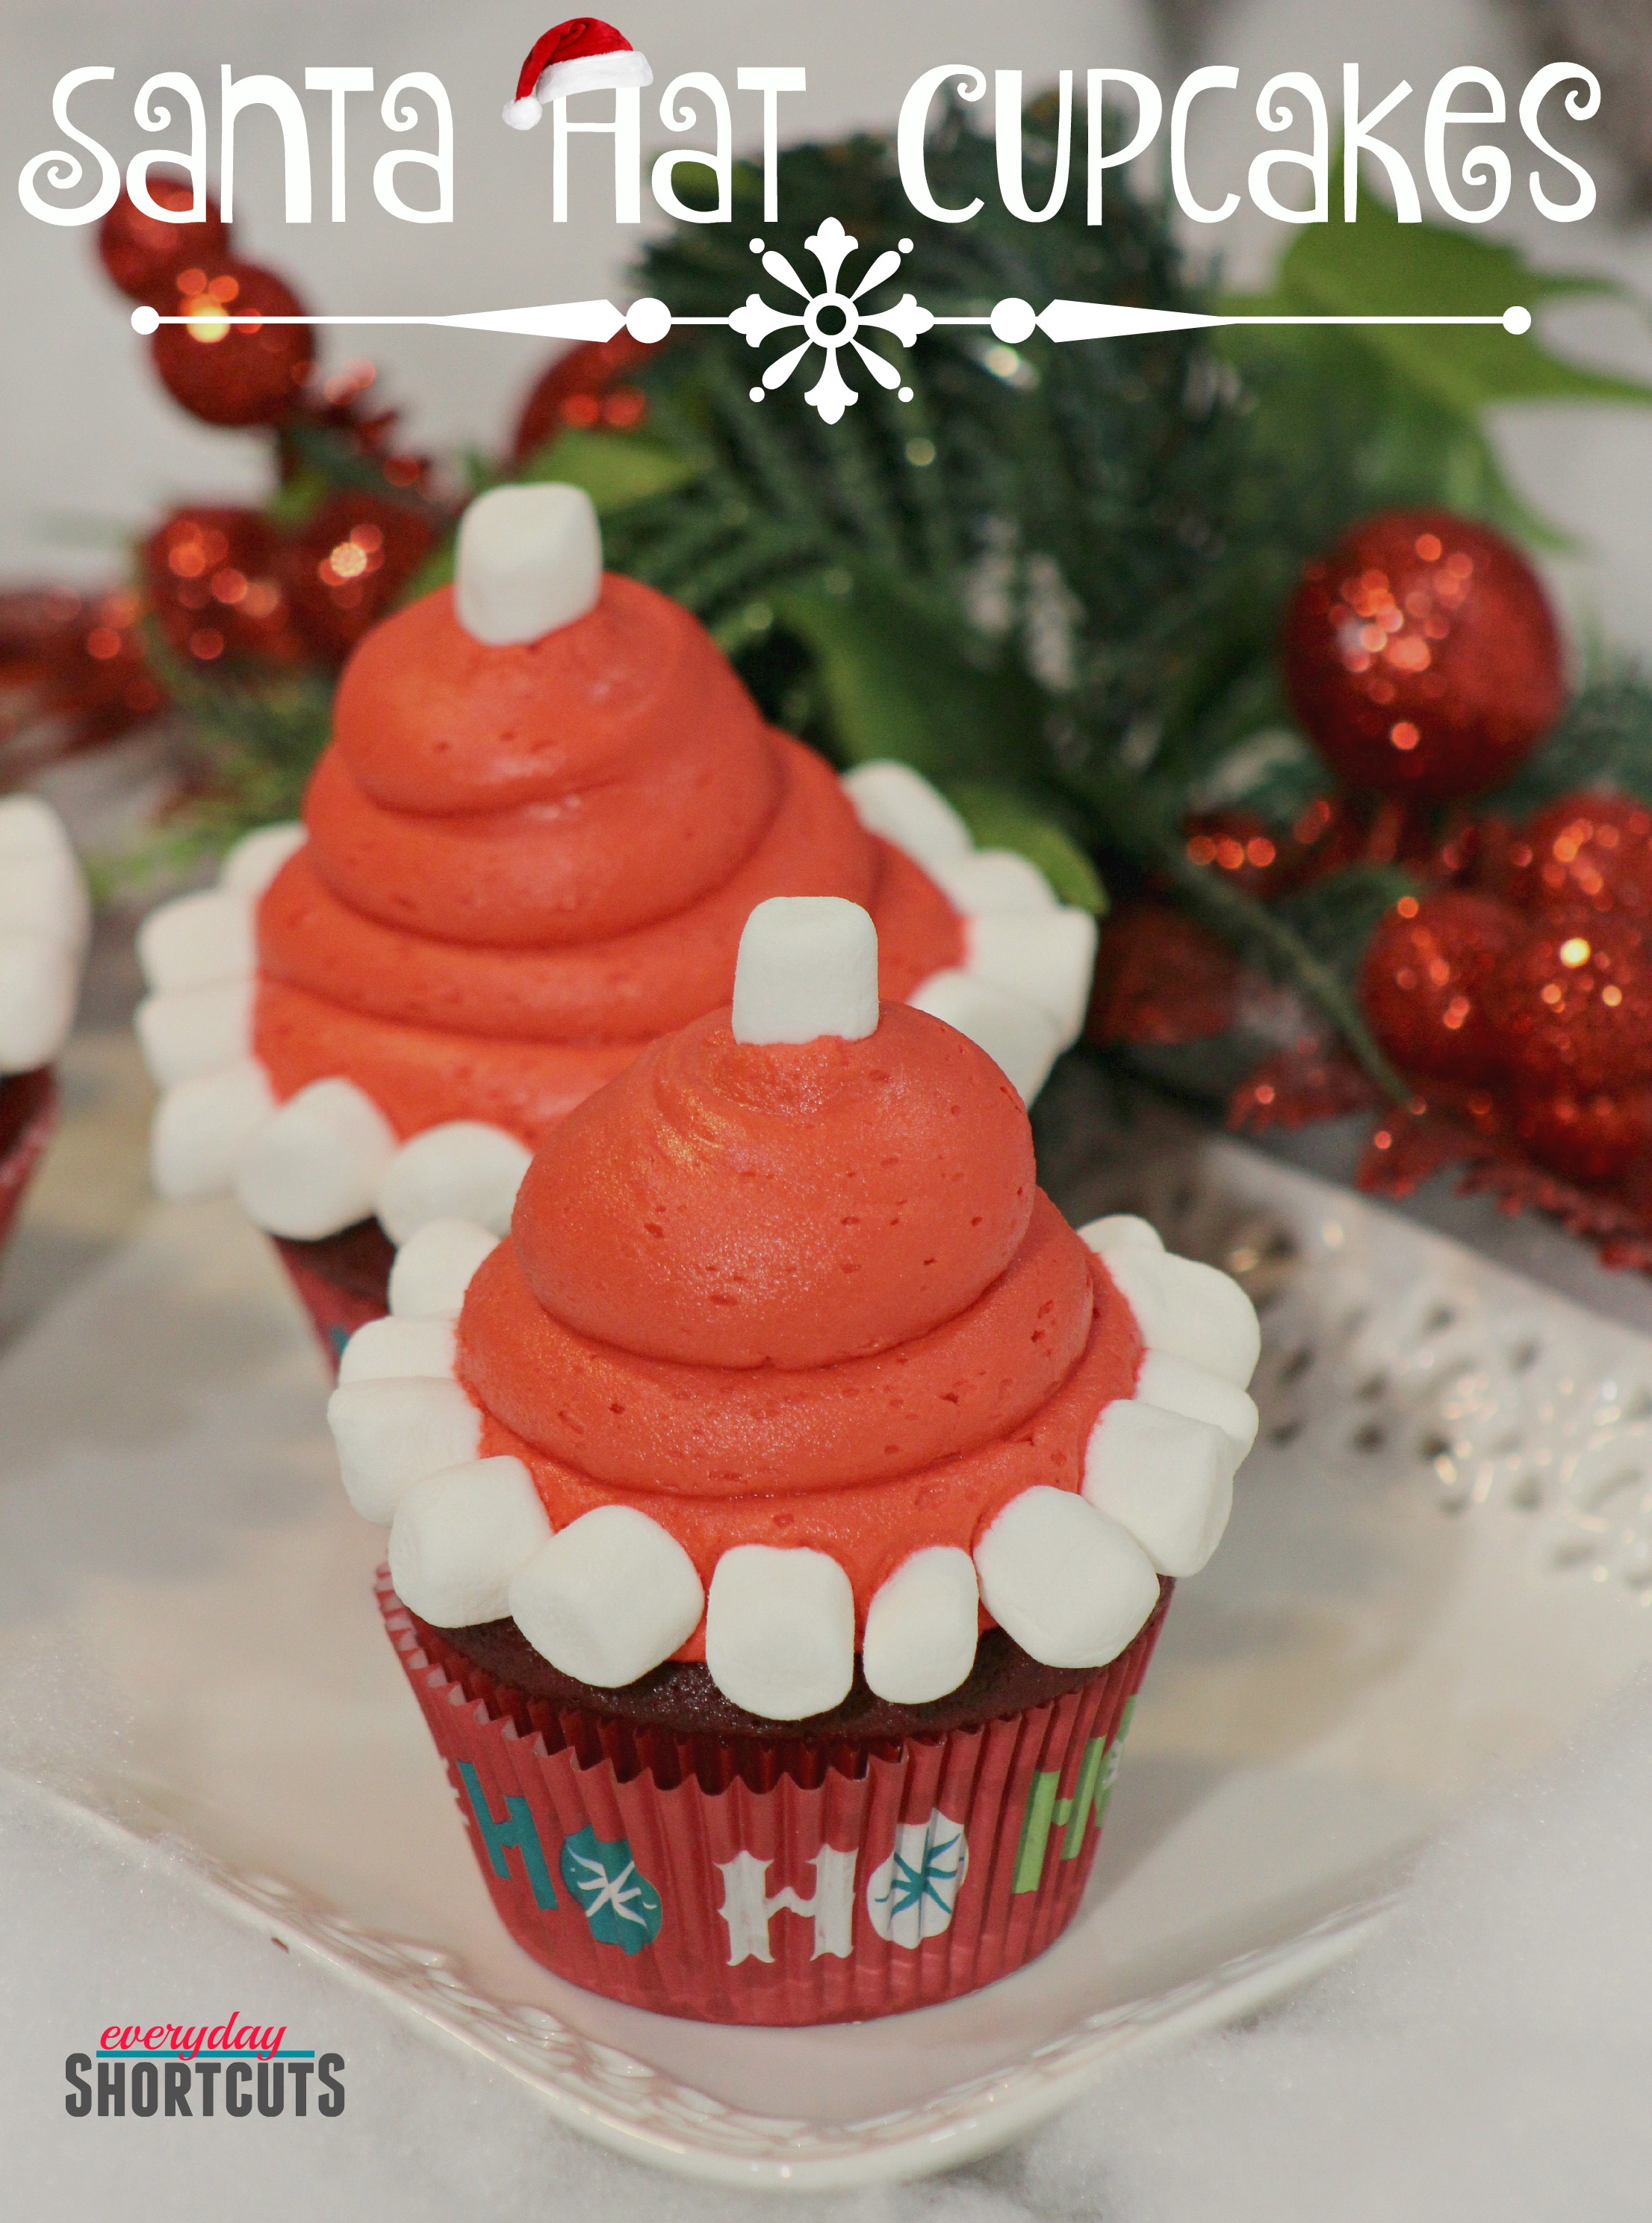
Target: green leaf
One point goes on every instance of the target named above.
(1003, 818)
(1334, 916)
(616, 469)
(1379, 266)
(897, 683)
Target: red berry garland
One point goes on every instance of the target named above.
(347, 564)
(1422, 655)
(225, 365)
(1592, 851)
(1423, 980)
(143, 254)
(212, 577)
(1572, 1007)
(1590, 1138)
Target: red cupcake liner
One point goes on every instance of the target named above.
(742, 1880)
(342, 1282)
(27, 1115)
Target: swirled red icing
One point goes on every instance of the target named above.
(796, 1294)
(524, 863)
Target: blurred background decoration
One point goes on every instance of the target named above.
(1233, 630)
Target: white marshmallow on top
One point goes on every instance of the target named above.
(464, 1169)
(44, 922)
(1167, 1480)
(807, 966)
(1190, 1310)
(893, 801)
(433, 1268)
(1045, 957)
(316, 1167)
(1117, 1232)
(252, 862)
(190, 1031)
(608, 1597)
(921, 1628)
(198, 941)
(204, 1126)
(39, 986)
(459, 1536)
(1021, 1038)
(392, 1434)
(530, 560)
(1068, 1584)
(1177, 1386)
(992, 881)
(780, 1631)
(391, 1350)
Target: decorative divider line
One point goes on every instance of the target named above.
(830, 319)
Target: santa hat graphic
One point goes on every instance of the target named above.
(580, 55)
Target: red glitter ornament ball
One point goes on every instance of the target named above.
(589, 386)
(348, 563)
(226, 365)
(143, 254)
(1422, 657)
(212, 579)
(1424, 979)
(1586, 851)
(1592, 1139)
(1571, 1007)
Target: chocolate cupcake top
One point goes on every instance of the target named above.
(547, 808)
(787, 1359)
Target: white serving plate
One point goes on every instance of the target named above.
(1440, 1561)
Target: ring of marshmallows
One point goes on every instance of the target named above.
(1071, 1576)
(45, 925)
(529, 559)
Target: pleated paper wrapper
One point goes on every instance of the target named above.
(780, 1881)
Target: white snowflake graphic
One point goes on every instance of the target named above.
(832, 320)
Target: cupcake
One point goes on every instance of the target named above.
(45, 921)
(546, 811)
(783, 1517)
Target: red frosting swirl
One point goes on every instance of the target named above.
(524, 863)
(795, 1294)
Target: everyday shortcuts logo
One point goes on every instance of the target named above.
(231, 2068)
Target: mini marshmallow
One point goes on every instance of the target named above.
(1190, 1310)
(205, 1127)
(780, 1631)
(464, 1170)
(899, 803)
(1046, 956)
(1070, 1585)
(433, 1268)
(609, 1597)
(921, 1628)
(807, 966)
(29, 827)
(1118, 1231)
(195, 1030)
(993, 880)
(1177, 1386)
(529, 559)
(197, 941)
(252, 862)
(315, 1167)
(1167, 1480)
(392, 1434)
(398, 1350)
(459, 1537)
(1023, 1039)
(40, 983)
(41, 892)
